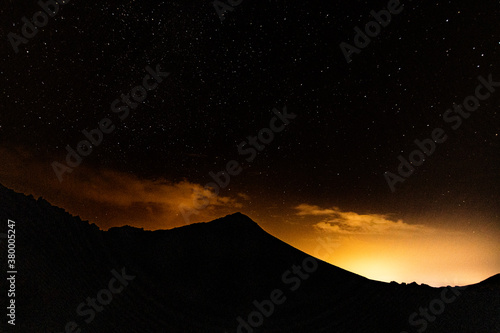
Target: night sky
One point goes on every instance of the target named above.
(321, 176)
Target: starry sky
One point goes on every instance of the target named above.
(321, 179)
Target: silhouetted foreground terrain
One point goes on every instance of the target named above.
(201, 278)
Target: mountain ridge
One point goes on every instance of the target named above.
(201, 278)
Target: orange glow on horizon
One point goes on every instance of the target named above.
(376, 246)
(438, 258)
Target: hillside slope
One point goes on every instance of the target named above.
(202, 277)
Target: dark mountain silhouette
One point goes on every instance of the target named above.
(202, 277)
(494, 280)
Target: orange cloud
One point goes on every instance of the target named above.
(340, 222)
(108, 197)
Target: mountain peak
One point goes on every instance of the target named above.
(238, 217)
(202, 277)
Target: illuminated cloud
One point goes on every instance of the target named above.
(305, 209)
(340, 222)
(111, 198)
(244, 196)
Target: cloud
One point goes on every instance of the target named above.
(108, 197)
(244, 196)
(305, 209)
(340, 222)
(124, 189)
